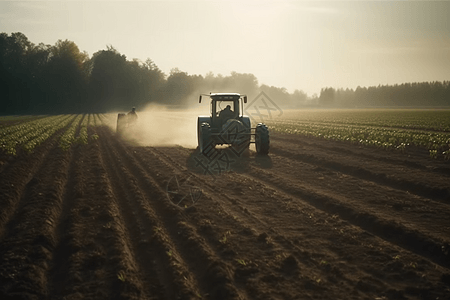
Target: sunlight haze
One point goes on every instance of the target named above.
(291, 44)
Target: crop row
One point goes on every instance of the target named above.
(6, 130)
(28, 135)
(108, 120)
(383, 137)
(428, 120)
(83, 135)
(6, 121)
(68, 137)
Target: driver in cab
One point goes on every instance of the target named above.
(226, 113)
(132, 116)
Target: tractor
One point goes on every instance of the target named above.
(125, 121)
(227, 125)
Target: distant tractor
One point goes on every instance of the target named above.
(125, 121)
(227, 125)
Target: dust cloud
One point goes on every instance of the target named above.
(163, 126)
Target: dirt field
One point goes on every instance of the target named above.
(313, 220)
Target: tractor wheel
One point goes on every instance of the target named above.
(121, 123)
(204, 137)
(262, 139)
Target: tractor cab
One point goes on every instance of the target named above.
(225, 106)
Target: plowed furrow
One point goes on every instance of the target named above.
(145, 233)
(254, 224)
(415, 158)
(204, 269)
(226, 226)
(93, 254)
(268, 218)
(255, 228)
(59, 271)
(389, 230)
(428, 187)
(392, 204)
(29, 242)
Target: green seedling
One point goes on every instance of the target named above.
(121, 276)
(241, 261)
(223, 240)
(433, 154)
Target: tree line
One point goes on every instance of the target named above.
(60, 78)
(417, 94)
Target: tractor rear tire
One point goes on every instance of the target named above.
(204, 139)
(262, 140)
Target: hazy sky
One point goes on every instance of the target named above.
(292, 44)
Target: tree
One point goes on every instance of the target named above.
(15, 78)
(67, 78)
(298, 98)
(326, 97)
(108, 81)
(178, 88)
